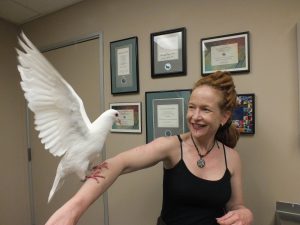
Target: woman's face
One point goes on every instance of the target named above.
(204, 115)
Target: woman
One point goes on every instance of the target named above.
(202, 173)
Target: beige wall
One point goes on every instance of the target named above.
(271, 158)
(14, 200)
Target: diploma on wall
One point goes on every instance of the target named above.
(224, 54)
(123, 65)
(167, 116)
(168, 53)
(167, 47)
(127, 117)
(166, 112)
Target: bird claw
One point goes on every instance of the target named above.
(100, 166)
(96, 171)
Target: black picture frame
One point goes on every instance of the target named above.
(124, 66)
(244, 114)
(165, 113)
(168, 53)
(229, 53)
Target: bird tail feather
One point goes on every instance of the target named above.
(58, 182)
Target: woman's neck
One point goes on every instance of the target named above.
(203, 143)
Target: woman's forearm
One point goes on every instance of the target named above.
(100, 180)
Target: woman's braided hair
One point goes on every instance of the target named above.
(222, 81)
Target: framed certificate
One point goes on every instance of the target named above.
(244, 114)
(130, 117)
(124, 66)
(165, 113)
(168, 53)
(226, 53)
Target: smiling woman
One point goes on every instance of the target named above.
(218, 96)
(206, 191)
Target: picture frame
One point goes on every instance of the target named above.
(165, 113)
(124, 66)
(130, 117)
(229, 53)
(244, 114)
(168, 53)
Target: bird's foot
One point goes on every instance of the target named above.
(96, 171)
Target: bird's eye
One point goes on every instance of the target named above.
(116, 114)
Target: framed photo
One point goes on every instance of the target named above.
(124, 66)
(130, 117)
(168, 53)
(165, 113)
(244, 115)
(226, 53)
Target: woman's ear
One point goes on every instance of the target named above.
(226, 116)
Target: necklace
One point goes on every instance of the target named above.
(201, 161)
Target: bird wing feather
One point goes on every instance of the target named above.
(59, 113)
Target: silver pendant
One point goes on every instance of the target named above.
(201, 163)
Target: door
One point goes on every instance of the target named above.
(79, 64)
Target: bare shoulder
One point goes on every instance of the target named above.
(233, 160)
(165, 143)
(169, 148)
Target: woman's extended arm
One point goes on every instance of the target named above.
(128, 161)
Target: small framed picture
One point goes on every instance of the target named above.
(165, 113)
(225, 53)
(124, 66)
(130, 117)
(168, 53)
(244, 114)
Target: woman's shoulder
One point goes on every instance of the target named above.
(233, 159)
(170, 147)
(167, 141)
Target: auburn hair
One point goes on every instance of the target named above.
(222, 81)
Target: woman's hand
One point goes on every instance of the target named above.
(242, 216)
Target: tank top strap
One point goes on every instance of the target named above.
(180, 140)
(225, 155)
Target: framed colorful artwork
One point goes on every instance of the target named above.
(244, 114)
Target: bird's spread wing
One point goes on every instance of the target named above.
(59, 114)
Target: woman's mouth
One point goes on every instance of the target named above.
(198, 126)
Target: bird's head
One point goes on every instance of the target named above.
(113, 115)
(105, 121)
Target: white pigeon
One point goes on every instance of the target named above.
(59, 115)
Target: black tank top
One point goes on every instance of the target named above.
(190, 200)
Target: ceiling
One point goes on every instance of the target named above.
(21, 11)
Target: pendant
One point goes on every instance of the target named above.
(201, 163)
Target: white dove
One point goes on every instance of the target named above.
(59, 115)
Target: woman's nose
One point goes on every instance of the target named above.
(196, 115)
